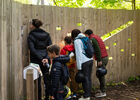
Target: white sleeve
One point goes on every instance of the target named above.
(78, 52)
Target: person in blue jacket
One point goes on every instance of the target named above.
(56, 73)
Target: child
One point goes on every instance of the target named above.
(57, 86)
(67, 49)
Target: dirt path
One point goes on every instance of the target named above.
(130, 91)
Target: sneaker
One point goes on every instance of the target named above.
(101, 94)
(84, 98)
(74, 96)
(69, 97)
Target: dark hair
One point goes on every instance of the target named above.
(75, 33)
(53, 49)
(89, 32)
(67, 39)
(37, 23)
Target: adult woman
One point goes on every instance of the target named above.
(38, 40)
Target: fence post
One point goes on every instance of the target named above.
(30, 84)
(36, 89)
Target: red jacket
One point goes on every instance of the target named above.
(69, 48)
(101, 45)
(66, 49)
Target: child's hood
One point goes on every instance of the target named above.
(69, 47)
(62, 59)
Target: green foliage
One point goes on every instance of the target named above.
(69, 3)
(117, 30)
(137, 78)
(94, 88)
(131, 78)
(100, 4)
(111, 4)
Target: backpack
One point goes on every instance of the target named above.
(65, 76)
(89, 51)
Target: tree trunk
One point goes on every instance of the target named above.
(133, 4)
(38, 1)
(55, 2)
(42, 2)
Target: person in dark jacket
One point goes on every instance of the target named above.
(101, 56)
(38, 41)
(56, 73)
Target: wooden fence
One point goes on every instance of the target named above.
(58, 21)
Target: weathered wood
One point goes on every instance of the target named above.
(30, 85)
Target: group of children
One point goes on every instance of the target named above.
(76, 61)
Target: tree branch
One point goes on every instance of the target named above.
(55, 2)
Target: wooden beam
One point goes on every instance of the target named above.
(30, 85)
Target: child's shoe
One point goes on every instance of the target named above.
(69, 97)
(74, 95)
(100, 94)
(88, 98)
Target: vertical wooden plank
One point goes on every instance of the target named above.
(63, 23)
(72, 18)
(128, 69)
(4, 49)
(59, 17)
(137, 24)
(110, 73)
(53, 25)
(93, 20)
(30, 85)
(13, 61)
(46, 18)
(0, 47)
(133, 43)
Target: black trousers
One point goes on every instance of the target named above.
(87, 84)
(46, 80)
(58, 96)
(102, 79)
